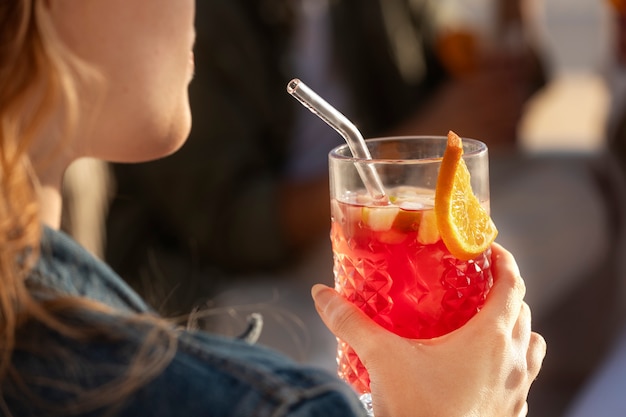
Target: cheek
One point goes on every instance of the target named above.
(144, 112)
(154, 105)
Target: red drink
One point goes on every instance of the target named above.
(391, 262)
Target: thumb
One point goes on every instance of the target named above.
(345, 320)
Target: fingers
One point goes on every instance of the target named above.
(522, 329)
(524, 410)
(344, 319)
(507, 295)
(535, 354)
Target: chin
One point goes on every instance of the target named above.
(157, 140)
(172, 146)
(153, 146)
(175, 136)
(164, 146)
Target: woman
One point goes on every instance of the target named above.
(108, 79)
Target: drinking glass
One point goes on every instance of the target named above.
(389, 258)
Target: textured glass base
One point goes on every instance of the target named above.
(366, 400)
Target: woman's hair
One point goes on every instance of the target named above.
(38, 80)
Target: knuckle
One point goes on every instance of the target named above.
(536, 353)
(525, 313)
(342, 316)
(539, 343)
(520, 286)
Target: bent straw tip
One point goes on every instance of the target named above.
(292, 86)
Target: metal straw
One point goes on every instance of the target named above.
(346, 129)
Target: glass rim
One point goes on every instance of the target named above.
(479, 149)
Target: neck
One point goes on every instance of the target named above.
(51, 204)
(50, 157)
(49, 191)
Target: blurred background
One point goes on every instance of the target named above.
(570, 114)
(199, 230)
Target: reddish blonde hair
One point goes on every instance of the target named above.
(24, 65)
(38, 80)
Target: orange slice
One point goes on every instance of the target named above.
(465, 226)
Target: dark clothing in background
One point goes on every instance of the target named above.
(214, 203)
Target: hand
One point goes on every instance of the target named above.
(483, 369)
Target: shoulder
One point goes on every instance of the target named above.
(177, 373)
(70, 270)
(232, 378)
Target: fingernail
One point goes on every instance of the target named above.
(322, 295)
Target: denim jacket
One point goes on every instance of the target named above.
(207, 376)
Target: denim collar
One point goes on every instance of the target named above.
(66, 268)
